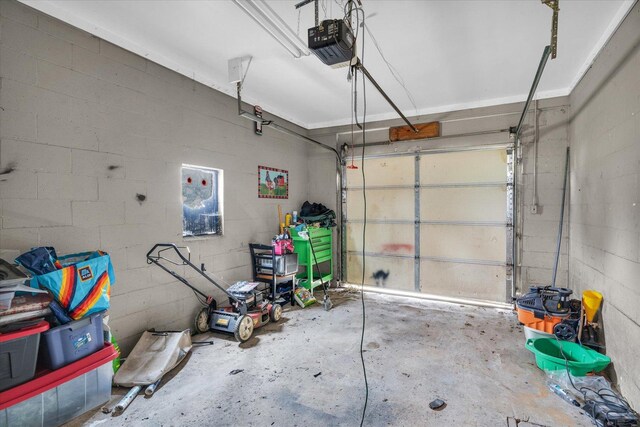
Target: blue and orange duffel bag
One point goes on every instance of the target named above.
(80, 283)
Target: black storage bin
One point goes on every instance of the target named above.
(65, 344)
(18, 355)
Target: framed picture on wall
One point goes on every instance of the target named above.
(273, 183)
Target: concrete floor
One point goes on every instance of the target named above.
(306, 371)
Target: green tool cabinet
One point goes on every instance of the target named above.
(322, 240)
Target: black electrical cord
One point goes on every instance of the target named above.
(364, 235)
(347, 18)
(349, 9)
(605, 401)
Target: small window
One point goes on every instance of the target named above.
(201, 201)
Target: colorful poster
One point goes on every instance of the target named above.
(273, 183)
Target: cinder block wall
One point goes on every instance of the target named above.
(605, 195)
(86, 126)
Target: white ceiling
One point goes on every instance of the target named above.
(451, 54)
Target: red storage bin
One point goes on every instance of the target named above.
(56, 397)
(18, 354)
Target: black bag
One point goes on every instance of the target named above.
(317, 212)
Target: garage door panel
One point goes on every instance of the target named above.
(464, 167)
(464, 204)
(486, 282)
(383, 171)
(387, 204)
(399, 272)
(463, 242)
(463, 210)
(389, 239)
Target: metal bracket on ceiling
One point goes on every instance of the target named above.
(555, 6)
(549, 50)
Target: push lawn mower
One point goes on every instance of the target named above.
(249, 305)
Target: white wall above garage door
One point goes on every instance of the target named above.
(438, 222)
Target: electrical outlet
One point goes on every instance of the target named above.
(534, 209)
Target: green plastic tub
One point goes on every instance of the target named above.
(581, 360)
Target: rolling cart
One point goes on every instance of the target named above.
(274, 270)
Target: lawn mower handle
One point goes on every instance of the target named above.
(166, 246)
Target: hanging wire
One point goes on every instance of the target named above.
(353, 111)
(348, 14)
(324, 7)
(364, 234)
(394, 72)
(349, 9)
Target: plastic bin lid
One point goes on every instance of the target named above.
(51, 379)
(21, 333)
(84, 321)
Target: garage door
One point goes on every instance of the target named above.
(438, 222)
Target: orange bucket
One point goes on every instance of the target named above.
(543, 307)
(544, 324)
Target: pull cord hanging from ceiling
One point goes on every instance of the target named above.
(353, 73)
